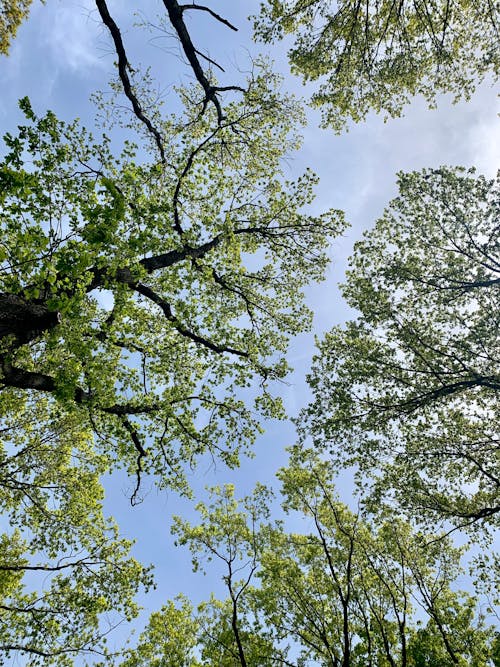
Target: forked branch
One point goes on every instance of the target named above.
(175, 14)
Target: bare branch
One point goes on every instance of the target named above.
(175, 14)
(141, 454)
(211, 12)
(123, 66)
(209, 60)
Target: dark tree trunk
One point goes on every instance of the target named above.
(23, 319)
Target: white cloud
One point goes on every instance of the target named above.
(485, 140)
(71, 32)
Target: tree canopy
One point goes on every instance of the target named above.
(409, 390)
(66, 576)
(200, 263)
(378, 54)
(148, 294)
(12, 14)
(138, 300)
(350, 589)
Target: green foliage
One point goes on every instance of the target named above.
(409, 391)
(146, 303)
(232, 533)
(140, 303)
(376, 55)
(349, 589)
(353, 589)
(12, 14)
(204, 259)
(65, 575)
(169, 638)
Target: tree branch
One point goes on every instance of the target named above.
(22, 379)
(202, 8)
(209, 60)
(141, 454)
(175, 14)
(175, 256)
(411, 404)
(123, 66)
(167, 311)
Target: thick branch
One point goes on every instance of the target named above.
(123, 66)
(22, 379)
(37, 651)
(154, 263)
(47, 568)
(17, 377)
(175, 256)
(411, 404)
(121, 409)
(445, 282)
(167, 311)
(477, 515)
(175, 14)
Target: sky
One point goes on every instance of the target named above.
(62, 55)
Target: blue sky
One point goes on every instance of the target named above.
(63, 54)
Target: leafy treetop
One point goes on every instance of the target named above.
(409, 391)
(203, 260)
(346, 588)
(12, 14)
(377, 54)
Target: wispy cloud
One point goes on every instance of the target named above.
(485, 140)
(71, 33)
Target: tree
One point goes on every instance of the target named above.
(146, 301)
(12, 14)
(377, 54)
(350, 590)
(189, 314)
(409, 391)
(66, 577)
(233, 533)
(156, 237)
(145, 307)
(366, 54)
(137, 302)
(140, 300)
(169, 639)
(353, 588)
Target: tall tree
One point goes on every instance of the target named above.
(232, 533)
(203, 260)
(169, 639)
(349, 590)
(366, 54)
(138, 300)
(142, 301)
(409, 391)
(66, 577)
(353, 589)
(377, 54)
